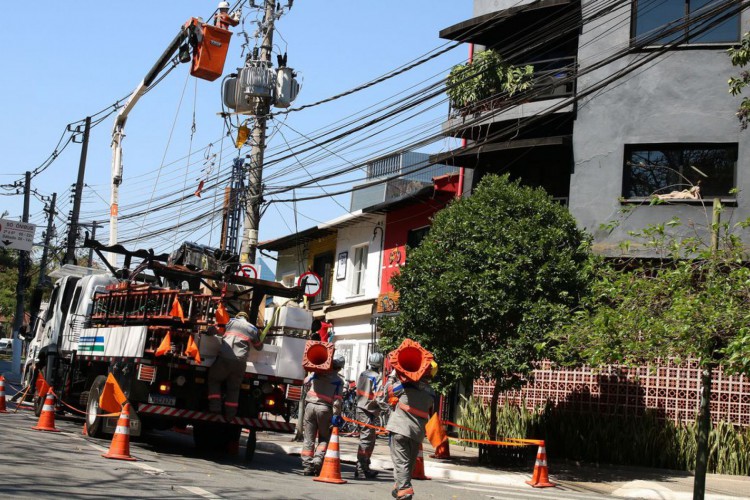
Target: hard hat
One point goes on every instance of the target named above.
(433, 368)
(223, 5)
(243, 314)
(338, 361)
(375, 360)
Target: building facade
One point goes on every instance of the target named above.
(629, 123)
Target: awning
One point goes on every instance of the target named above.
(490, 28)
(349, 311)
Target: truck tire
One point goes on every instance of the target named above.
(215, 438)
(252, 440)
(95, 423)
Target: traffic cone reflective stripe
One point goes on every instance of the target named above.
(119, 449)
(540, 478)
(47, 417)
(418, 472)
(2, 395)
(331, 471)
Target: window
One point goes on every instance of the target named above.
(661, 168)
(692, 21)
(359, 270)
(415, 236)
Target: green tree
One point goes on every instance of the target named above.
(740, 57)
(8, 280)
(497, 271)
(692, 304)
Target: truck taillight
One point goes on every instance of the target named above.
(165, 387)
(269, 403)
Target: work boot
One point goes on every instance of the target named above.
(365, 471)
(308, 472)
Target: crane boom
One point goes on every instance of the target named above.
(118, 132)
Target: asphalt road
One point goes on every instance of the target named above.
(37, 464)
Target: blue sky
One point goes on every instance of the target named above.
(70, 59)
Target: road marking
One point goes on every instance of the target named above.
(200, 492)
(536, 494)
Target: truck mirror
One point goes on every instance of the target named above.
(23, 333)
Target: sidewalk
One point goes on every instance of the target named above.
(625, 482)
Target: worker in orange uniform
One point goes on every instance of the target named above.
(413, 407)
(370, 404)
(231, 363)
(322, 410)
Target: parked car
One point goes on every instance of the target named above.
(6, 346)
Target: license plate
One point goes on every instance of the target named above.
(160, 399)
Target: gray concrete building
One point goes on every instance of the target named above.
(629, 101)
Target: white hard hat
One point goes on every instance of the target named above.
(223, 5)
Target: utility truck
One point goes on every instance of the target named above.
(100, 323)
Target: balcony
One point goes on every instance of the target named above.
(550, 92)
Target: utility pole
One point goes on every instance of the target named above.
(70, 257)
(36, 297)
(21, 284)
(255, 169)
(94, 225)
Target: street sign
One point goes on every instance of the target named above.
(248, 271)
(313, 285)
(16, 235)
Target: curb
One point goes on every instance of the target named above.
(435, 470)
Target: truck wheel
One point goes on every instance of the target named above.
(204, 437)
(215, 438)
(252, 440)
(95, 423)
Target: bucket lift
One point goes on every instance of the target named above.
(209, 45)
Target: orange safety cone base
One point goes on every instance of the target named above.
(46, 421)
(418, 472)
(115, 456)
(119, 449)
(3, 408)
(540, 477)
(45, 429)
(331, 470)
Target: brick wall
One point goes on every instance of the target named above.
(671, 389)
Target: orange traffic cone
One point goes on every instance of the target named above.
(331, 471)
(540, 478)
(418, 472)
(2, 395)
(119, 449)
(47, 417)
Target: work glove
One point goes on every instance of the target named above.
(337, 421)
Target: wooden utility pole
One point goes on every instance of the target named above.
(21, 284)
(70, 256)
(255, 168)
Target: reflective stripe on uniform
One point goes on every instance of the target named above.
(327, 399)
(214, 396)
(414, 411)
(242, 336)
(233, 405)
